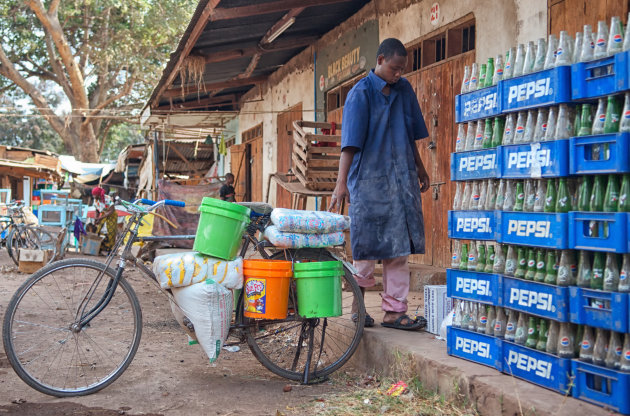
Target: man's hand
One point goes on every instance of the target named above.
(425, 183)
(339, 195)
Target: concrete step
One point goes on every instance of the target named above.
(420, 276)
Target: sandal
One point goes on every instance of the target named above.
(369, 321)
(411, 325)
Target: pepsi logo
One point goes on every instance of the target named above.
(602, 118)
(586, 344)
(623, 275)
(475, 196)
(479, 136)
(483, 319)
(626, 114)
(454, 256)
(618, 351)
(509, 327)
(601, 42)
(508, 65)
(473, 79)
(559, 51)
(509, 130)
(500, 71)
(520, 129)
(467, 82)
(627, 355)
(459, 139)
(573, 268)
(564, 341)
(592, 45)
(497, 327)
(617, 38)
(544, 127)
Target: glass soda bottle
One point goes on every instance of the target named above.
(510, 196)
(613, 115)
(482, 318)
(624, 124)
(512, 324)
(563, 53)
(566, 341)
(624, 194)
(491, 195)
(500, 199)
(530, 196)
(624, 360)
(457, 199)
(531, 264)
(615, 37)
(599, 350)
(577, 47)
(497, 131)
(521, 329)
(489, 72)
(519, 59)
(481, 259)
(498, 69)
(552, 122)
(487, 135)
(541, 190)
(577, 119)
(550, 56)
(490, 259)
(470, 135)
(460, 140)
(585, 191)
(615, 348)
(482, 77)
(564, 128)
(455, 258)
(588, 44)
(500, 323)
(543, 332)
(552, 337)
(472, 257)
(492, 318)
(530, 126)
(510, 127)
(597, 195)
(520, 197)
(465, 80)
(475, 195)
(551, 268)
(597, 279)
(585, 271)
(586, 345)
(511, 261)
(532, 333)
(508, 69)
(550, 196)
(465, 203)
(465, 314)
(478, 143)
(586, 122)
(463, 261)
(611, 273)
(539, 275)
(458, 316)
(530, 58)
(541, 52)
(474, 312)
(626, 36)
(563, 201)
(483, 194)
(474, 77)
(600, 117)
(566, 275)
(624, 272)
(519, 133)
(611, 199)
(601, 40)
(521, 265)
(541, 125)
(498, 265)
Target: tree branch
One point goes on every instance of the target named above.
(54, 6)
(57, 68)
(103, 136)
(125, 90)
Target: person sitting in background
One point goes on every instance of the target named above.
(105, 215)
(227, 190)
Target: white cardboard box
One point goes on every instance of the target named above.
(436, 306)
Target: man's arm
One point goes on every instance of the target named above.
(341, 189)
(423, 176)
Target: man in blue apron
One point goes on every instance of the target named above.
(381, 175)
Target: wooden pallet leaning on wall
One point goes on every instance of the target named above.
(315, 166)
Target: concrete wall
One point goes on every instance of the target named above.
(499, 25)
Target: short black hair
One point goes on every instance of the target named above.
(229, 175)
(390, 47)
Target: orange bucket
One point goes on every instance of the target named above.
(266, 288)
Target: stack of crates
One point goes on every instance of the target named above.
(550, 232)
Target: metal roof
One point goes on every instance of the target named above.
(242, 42)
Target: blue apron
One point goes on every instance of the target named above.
(385, 202)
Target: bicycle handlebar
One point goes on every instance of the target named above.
(170, 202)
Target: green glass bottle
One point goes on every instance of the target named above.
(584, 198)
(521, 267)
(520, 197)
(563, 202)
(550, 197)
(489, 259)
(611, 125)
(624, 194)
(489, 72)
(586, 121)
(532, 333)
(540, 266)
(486, 143)
(541, 345)
(551, 268)
(578, 120)
(482, 77)
(497, 133)
(598, 195)
(531, 264)
(463, 262)
(611, 199)
(599, 263)
(481, 259)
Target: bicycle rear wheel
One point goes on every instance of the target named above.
(284, 346)
(29, 237)
(53, 356)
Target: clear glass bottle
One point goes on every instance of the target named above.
(500, 323)
(530, 126)
(624, 274)
(470, 135)
(552, 122)
(586, 345)
(482, 318)
(599, 350)
(510, 128)
(541, 190)
(498, 69)
(550, 57)
(626, 36)
(624, 364)
(465, 80)
(601, 40)
(508, 69)
(511, 326)
(510, 195)
(577, 47)
(500, 199)
(472, 257)
(520, 337)
(563, 53)
(567, 270)
(552, 337)
(541, 52)
(491, 321)
(491, 195)
(530, 58)
(483, 194)
(588, 45)
(474, 77)
(460, 140)
(511, 261)
(519, 132)
(564, 126)
(585, 271)
(478, 143)
(566, 341)
(456, 254)
(465, 204)
(457, 200)
(519, 61)
(615, 348)
(530, 195)
(520, 197)
(474, 196)
(490, 256)
(600, 117)
(541, 126)
(498, 265)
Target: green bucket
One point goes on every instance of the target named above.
(318, 288)
(221, 227)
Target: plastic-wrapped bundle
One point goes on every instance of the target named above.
(308, 222)
(300, 240)
(185, 269)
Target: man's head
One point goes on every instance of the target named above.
(391, 60)
(229, 178)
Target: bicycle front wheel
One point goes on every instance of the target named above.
(28, 237)
(52, 354)
(285, 347)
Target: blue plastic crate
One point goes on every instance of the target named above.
(598, 308)
(601, 386)
(478, 287)
(479, 348)
(537, 367)
(472, 225)
(611, 226)
(475, 164)
(541, 299)
(538, 229)
(543, 88)
(535, 160)
(478, 104)
(581, 154)
(600, 77)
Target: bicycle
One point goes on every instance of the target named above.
(63, 343)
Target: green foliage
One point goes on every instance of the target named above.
(29, 131)
(119, 137)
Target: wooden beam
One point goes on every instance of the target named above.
(194, 89)
(278, 45)
(178, 153)
(199, 103)
(266, 8)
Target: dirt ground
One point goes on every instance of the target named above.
(167, 376)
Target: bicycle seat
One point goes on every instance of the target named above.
(260, 208)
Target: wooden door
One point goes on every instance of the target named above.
(238, 153)
(285, 149)
(436, 88)
(572, 15)
(255, 169)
